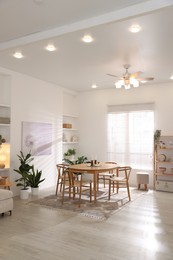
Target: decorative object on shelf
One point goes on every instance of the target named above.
(162, 158)
(171, 143)
(4, 120)
(2, 165)
(65, 125)
(162, 145)
(157, 135)
(74, 138)
(162, 169)
(2, 140)
(64, 138)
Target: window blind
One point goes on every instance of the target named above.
(130, 135)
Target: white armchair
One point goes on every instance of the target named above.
(6, 201)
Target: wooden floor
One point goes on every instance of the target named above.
(141, 230)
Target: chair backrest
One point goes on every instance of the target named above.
(111, 171)
(61, 168)
(125, 170)
(111, 162)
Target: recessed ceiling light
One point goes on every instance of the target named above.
(87, 38)
(94, 86)
(50, 47)
(171, 77)
(18, 55)
(135, 28)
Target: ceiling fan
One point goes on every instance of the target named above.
(129, 80)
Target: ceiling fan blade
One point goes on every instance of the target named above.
(135, 74)
(111, 75)
(149, 78)
(145, 79)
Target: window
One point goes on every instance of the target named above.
(130, 138)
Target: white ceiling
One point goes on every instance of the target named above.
(28, 25)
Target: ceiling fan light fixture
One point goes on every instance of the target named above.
(127, 86)
(135, 28)
(119, 84)
(134, 82)
(129, 80)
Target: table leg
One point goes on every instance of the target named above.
(95, 186)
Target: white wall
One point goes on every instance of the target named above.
(70, 103)
(34, 100)
(93, 115)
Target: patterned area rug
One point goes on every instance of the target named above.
(103, 209)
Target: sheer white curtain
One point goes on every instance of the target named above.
(130, 138)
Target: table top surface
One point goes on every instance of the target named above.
(98, 167)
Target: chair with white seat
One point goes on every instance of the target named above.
(121, 180)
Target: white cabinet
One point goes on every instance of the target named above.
(70, 132)
(5, 115)
(163, 170)
(164, 185)
(5, 121)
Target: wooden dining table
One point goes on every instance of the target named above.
(95, 170)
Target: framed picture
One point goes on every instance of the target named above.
(36, 138)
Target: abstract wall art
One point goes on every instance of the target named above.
(36, 138)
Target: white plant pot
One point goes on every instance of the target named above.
(24, 194)
(70, 157)
(34, 191)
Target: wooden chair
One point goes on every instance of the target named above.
(60, 169)
(75, 185)
(121, 180)
(106, 175)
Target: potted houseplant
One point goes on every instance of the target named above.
(70, 154)
(81, 159)
(157, 135)
(34, 179)
(24, 171)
